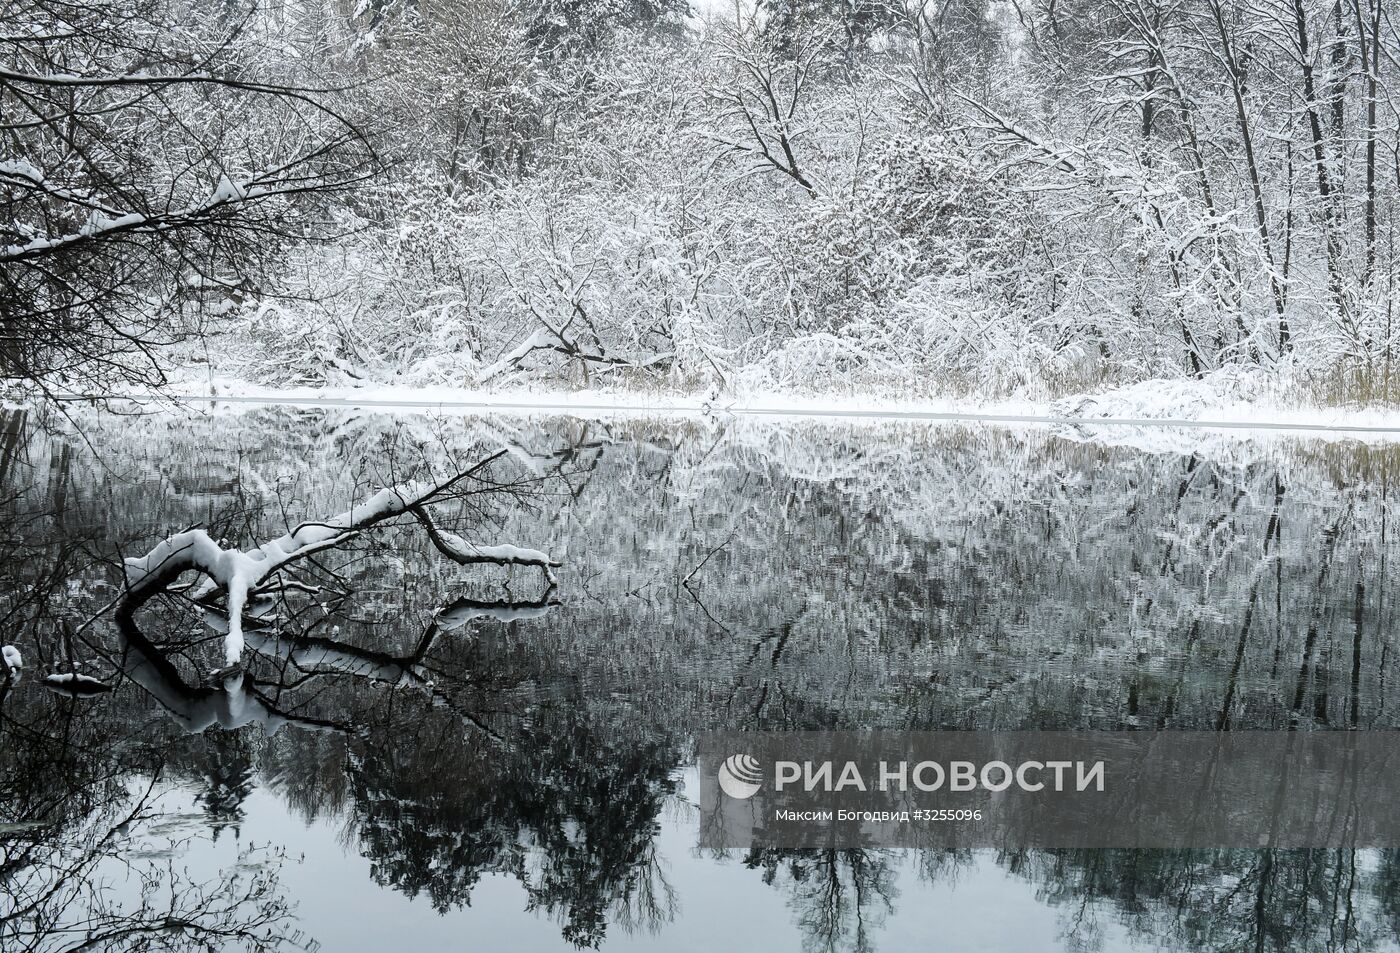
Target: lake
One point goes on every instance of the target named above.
(421, 755)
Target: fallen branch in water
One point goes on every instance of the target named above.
(75, 684)
(466, 553)
(240, 572)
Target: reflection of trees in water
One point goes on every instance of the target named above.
(1217, 900)
(838, 897)
(910, 577)
(60, 900)
(79, 811)
(568, 807)
(1224, 900)
(562, 800)
(226, 759)
(735, 576)
(568, 810)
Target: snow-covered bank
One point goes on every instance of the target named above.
(1236, 402)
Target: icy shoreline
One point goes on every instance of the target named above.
(1228, 404)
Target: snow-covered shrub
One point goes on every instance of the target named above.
(699, 207)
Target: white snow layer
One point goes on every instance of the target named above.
(1234, 399)
(75, 683)
(239, 573)
(467, 552)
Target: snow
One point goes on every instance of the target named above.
(238, 572)
(228, 191)
(74, 683)
(1229, 392)
(99, 224)
(533, 342)
(13, 661)
(509, 554)
(1233, 404)
(19, 168)
(466, 552)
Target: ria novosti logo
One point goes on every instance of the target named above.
(740, 776)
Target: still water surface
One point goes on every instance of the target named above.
(419, 755)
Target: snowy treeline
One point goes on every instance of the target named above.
(957, 195)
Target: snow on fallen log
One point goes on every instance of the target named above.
(537, 341)
(468, 553)
(75, 684)
(240, 572)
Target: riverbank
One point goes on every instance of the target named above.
(1247, 401)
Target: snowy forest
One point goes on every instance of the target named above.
(898, 196)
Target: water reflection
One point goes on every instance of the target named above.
(468, 724)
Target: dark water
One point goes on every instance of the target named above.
(517, 773)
